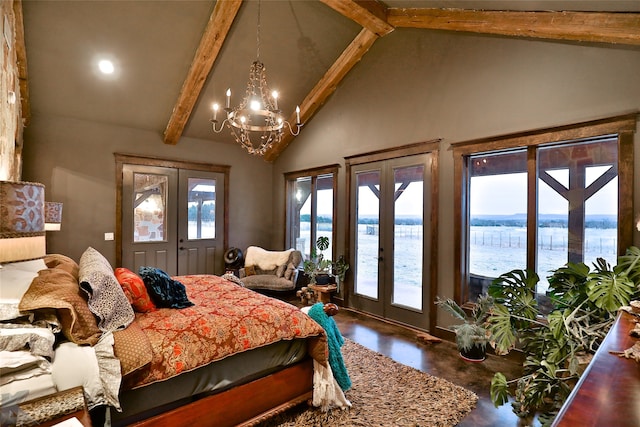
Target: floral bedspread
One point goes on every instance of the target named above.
(225, 319)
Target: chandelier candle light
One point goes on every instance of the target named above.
(257, 115)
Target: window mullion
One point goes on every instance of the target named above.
(314, 211)
(532, 207)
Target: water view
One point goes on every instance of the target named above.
(494, 250)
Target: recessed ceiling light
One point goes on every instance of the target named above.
(106, 66)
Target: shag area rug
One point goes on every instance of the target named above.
(386, 393)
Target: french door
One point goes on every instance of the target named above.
(173, 219)
(391, 238)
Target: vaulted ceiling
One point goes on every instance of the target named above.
(173, 59)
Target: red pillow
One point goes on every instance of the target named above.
(135, 290)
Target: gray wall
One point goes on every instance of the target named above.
(418, 85)
(75, 160)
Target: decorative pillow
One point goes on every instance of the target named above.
(63, 262)
(15, 278)
(281, 270)
(288, 274)
(106, 297)
(58, 289)
(165, 291)
(133, 348)
(249, 270)
(232, 278)
(135, 290)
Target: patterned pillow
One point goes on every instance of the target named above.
(133, 348)
(106, 298)
(135, 290)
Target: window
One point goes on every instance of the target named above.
(310, 208)
(542, 199)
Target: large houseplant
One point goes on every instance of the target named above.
(558, 345)
(471, 335)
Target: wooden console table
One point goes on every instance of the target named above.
(607, 392)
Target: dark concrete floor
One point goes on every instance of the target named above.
(438, 359)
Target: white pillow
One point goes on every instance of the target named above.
(15, 279)
(266, 260)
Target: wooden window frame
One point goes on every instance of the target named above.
(290, 179)
(621, 127)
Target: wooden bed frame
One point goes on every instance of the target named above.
(244, 405)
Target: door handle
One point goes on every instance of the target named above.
(182, 248)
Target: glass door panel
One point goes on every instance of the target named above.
(201, 213)
(391, 238)
(202, 208)
(324, 210)
(149, 217)
(149, 207)
(408, 236)
(302, 202)
(367, 237)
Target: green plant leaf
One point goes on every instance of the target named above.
(516, 290)
(499, 390)
(452, 308)
(322, 243)
(567, 284)
(503, 336)
(629, 264)
(609, 291)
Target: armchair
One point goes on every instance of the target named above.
(270, 270)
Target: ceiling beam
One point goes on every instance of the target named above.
(327, 85)
(21, 57)
(600, 27)
(370, 14)
(214, 35)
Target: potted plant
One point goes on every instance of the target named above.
(558, 345)
(322, 271)
(317, 267)
(472, 335)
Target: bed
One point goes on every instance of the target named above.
(227, 356)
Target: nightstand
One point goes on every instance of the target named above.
(54, 408)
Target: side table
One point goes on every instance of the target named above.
(54, 408)
(323, 293)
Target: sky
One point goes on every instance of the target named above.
(495, 195)
(491, 195)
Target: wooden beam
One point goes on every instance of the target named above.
(370, 14)
(327, 85)
(21, 56)
(214, 35)
(599, 27)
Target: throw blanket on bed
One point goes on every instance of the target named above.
(224, 320)
(335, 341)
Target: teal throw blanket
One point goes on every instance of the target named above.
(335, 341)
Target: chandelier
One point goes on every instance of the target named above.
(256, 123)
